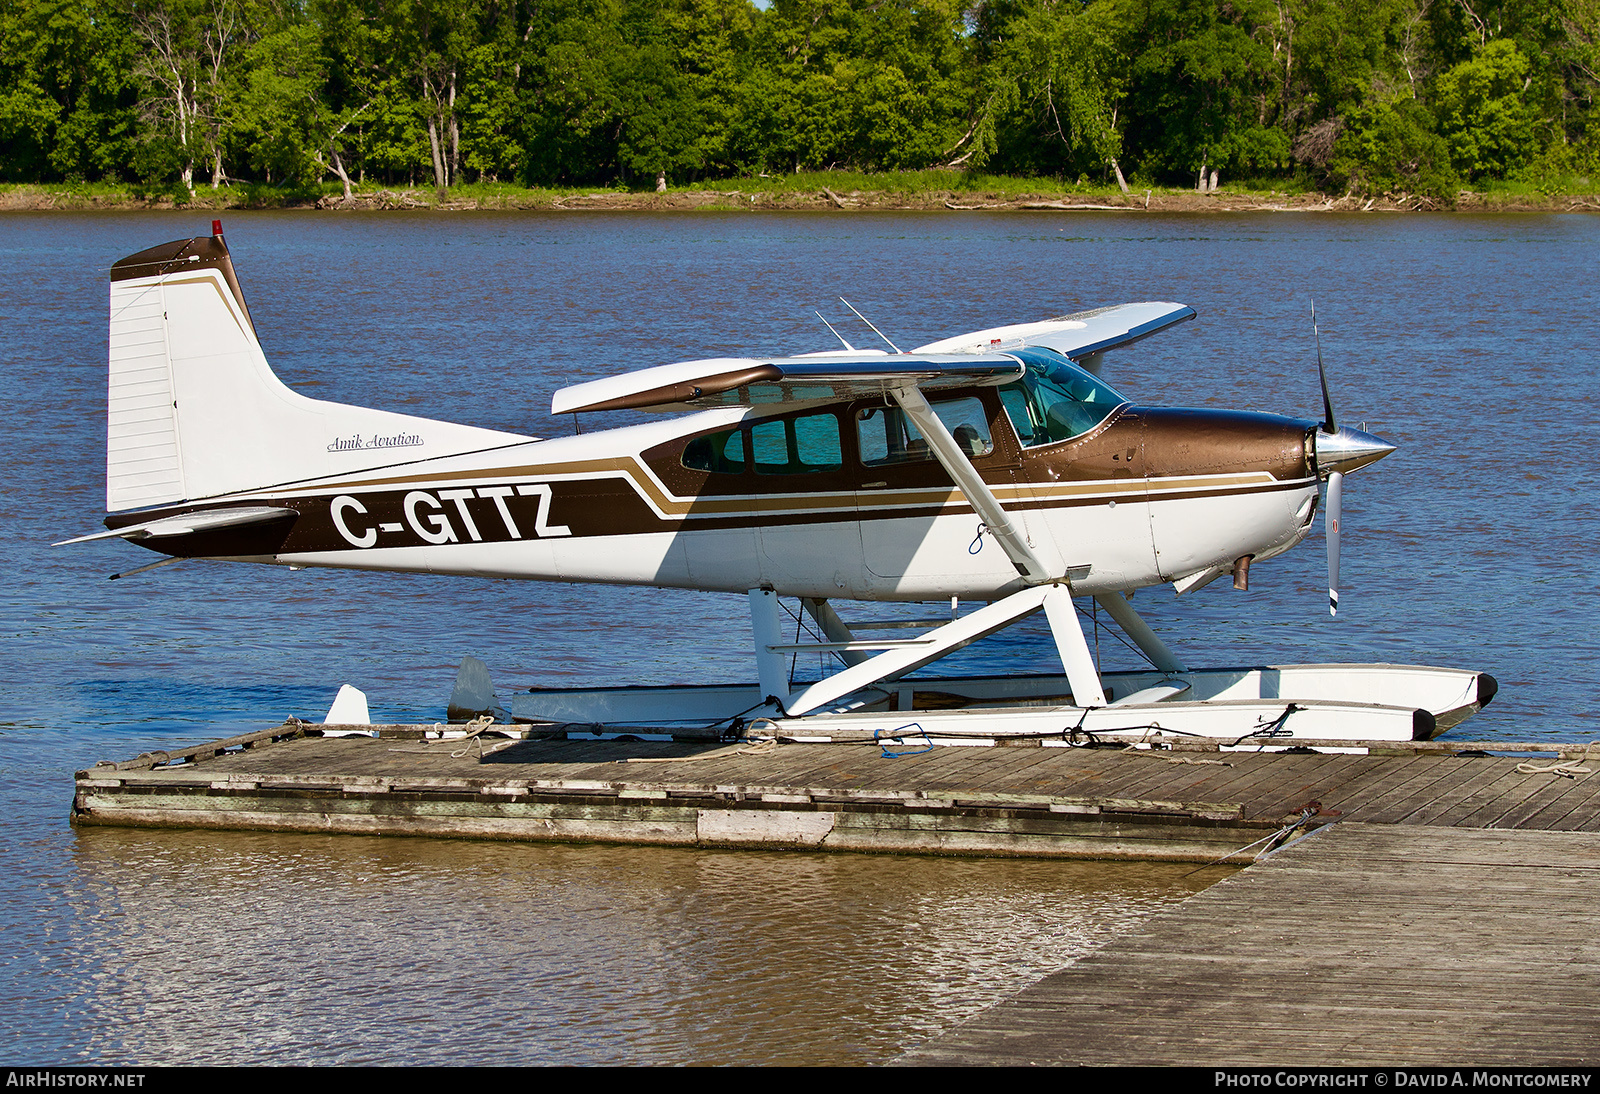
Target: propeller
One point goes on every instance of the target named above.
(1335, 500)
(1334, 503)
(1338, 451)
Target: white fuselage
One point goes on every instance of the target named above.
(538, 511)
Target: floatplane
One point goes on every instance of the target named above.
(997, 468)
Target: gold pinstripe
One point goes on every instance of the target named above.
(1031, 495)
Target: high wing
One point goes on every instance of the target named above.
(1082, 334)
(758, 381)
(967, 360)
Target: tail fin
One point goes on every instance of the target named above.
(196, 412)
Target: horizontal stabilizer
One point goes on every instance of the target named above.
(755, 381)
(209, 520)
(1079, 335)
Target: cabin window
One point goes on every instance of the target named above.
(720, 453)
(797, 446)
(887, 435)
(1056, 400)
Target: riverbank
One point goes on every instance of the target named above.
(821, 191)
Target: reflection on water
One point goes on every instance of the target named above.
(1469, 341)
(205, 947)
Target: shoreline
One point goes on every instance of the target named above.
(27, 198)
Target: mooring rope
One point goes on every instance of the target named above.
(1566, 769)
(747, 748)
(473, 732)
(1307, 811)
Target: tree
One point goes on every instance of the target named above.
(187, 53)
(1200, 87)
(1061, 65)
(67, 94)
(1482, 114)
(1394, 146)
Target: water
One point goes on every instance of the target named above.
(1469, 341)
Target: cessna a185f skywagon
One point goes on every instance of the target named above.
(995, 467)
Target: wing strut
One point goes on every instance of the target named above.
(971, 484)
(1134, 626)
(1047, 591)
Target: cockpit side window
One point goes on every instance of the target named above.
(1056, 400)
(802, 445)
(886, 436)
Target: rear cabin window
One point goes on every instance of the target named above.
(722, 453)
(887, 436)
(785, 446)
(797, 446)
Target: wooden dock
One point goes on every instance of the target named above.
(1415, 907)
(1191, 805)
(1366, 945)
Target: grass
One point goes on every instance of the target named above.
(931, 188)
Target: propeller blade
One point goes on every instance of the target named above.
(1335, 502)
(1328, 425)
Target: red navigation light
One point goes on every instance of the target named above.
(216, 229)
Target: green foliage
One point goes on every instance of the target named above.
(1482, 113)
(279, 121)
(1201, 88)
(177, 93)
(66, 95)
(1057, 80)
(1392, 147)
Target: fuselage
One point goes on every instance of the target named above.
(828, 499)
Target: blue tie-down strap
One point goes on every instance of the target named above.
(883, 738)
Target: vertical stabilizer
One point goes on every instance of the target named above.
(196, 412)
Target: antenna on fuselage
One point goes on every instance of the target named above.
(868, 322)
(836, 334)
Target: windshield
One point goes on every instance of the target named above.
(1055, 400)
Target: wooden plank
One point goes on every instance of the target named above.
(1447, 796)
(1493, 799)
(1394, 773)
(1128, 773)
(1574, 810)
(1245, 770)
(1286, 785)
(1215, 778)
(1337, 781)
(1264, 785)
(1550, 795)
(1373, 977)
(1010, 768)
(1583, 816)
(1428, 778)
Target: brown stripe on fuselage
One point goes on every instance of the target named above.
(613, 506)
(1141, 454)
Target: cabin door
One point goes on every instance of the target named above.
(917, 531)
